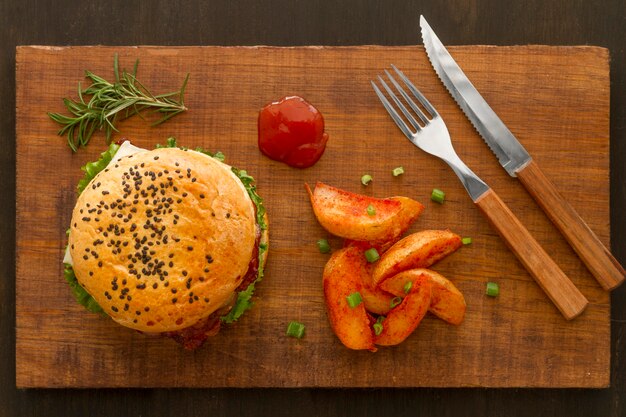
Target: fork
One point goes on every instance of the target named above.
(428, 132)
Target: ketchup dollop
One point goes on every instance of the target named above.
(292, 131)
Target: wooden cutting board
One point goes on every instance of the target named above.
(555, 99)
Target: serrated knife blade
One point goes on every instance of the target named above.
(505, 146)
(518, 163)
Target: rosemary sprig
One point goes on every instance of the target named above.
(111, 102)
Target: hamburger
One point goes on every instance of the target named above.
(168, 242)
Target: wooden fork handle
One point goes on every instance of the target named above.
(604, 267)
(563, 293)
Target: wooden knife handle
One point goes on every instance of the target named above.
(604, 267)
(563, 293)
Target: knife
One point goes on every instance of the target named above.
(518, 163)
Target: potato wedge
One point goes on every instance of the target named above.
(447, 302)
(418, 250)
(403, 319)
(375, 299)
(344, 214)
(343, 275)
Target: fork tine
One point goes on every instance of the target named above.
(408, 99)
(400, 105)
(416, 92)
(392, 112)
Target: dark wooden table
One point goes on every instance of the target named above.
(311, 22)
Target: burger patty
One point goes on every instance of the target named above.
(194, 336)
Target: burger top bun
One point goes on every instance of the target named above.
(161, 239)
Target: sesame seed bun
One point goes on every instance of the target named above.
(161, 239)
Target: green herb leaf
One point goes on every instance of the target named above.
(111, 102)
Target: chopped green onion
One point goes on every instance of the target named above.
(366, 179)
(295, 329)
(323, 246)
(397, 171)
(378, 326)
(372, 255)
(371, 210)
(466, 240)
(492, 289)
(354, 299)
(395, 301)
(437, 196)
(408, 286)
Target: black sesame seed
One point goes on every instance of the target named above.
(174, 300)
(114, 309)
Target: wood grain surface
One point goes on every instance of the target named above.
(555, 99)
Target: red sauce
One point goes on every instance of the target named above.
(292, 131)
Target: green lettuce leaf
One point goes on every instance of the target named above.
(92, 169)
(82, 297)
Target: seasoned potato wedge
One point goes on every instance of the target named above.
(344, 214)
(418, 250)
(402, 320)
(447, 302)
(375, 299)
(343, 275)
